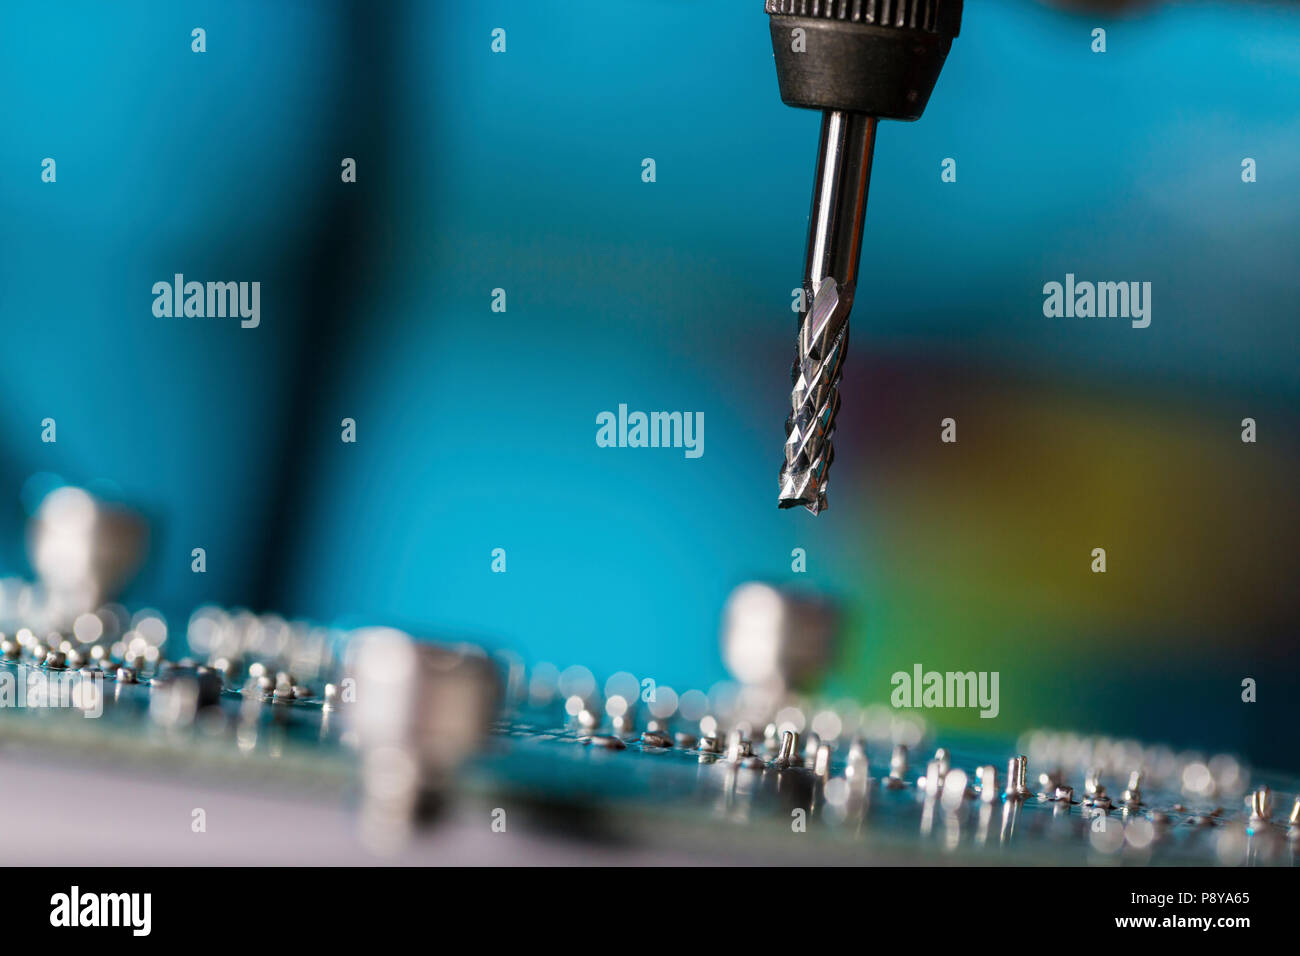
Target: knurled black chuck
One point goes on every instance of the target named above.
(878, 57)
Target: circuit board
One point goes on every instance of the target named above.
(586, 767)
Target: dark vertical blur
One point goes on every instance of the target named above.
(350, 246)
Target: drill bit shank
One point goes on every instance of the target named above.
(830, 276)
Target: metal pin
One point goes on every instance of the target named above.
(944, 759)
(954, 789)
(741, 753)
(855, 765)
(1049, 781)
(931, 782)
(789, 740)
(988, 777)
(1132, 796)
(898, 761)
(1017, 768)
(738, 748)
(897, 768)
(822, 764)
(1261, 804)
(1092, 788)
(810, 745)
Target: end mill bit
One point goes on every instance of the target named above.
(823, 338)
(830, 274)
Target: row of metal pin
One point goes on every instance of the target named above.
(949, 787)
(941, 779)
(1221, 775)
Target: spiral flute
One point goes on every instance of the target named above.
(815, 398)
(830, 274)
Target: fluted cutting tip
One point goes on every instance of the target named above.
(814, 399)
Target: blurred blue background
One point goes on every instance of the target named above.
(476, 429)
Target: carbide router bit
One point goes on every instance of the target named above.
(857, 61)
